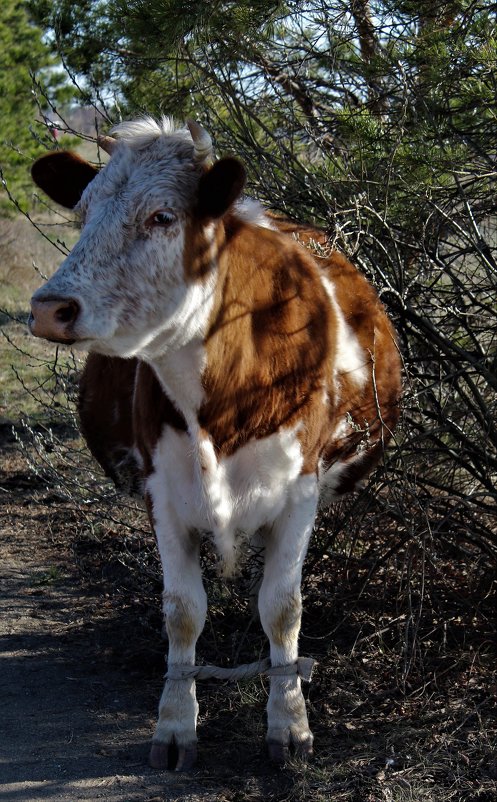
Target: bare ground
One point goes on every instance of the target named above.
(72, 725)
(82, 661)
(81, 670)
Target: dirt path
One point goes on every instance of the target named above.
(72, 727)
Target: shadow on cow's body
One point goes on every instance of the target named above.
(234, 376)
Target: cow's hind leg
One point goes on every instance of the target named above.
(280, 609)
(174, 744)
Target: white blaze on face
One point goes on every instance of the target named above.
(127, 272)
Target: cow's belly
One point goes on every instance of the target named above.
(231, 497)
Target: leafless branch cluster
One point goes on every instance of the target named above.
(402, 176)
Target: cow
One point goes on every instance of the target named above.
(244, 377)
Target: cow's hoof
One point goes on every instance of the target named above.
(280, 753)
(304, 750)
(159, 756)
(172, 757)
(187, 757)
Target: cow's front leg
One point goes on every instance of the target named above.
(185, 607)
(280, 607)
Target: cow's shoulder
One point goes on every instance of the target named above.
(152, 410)
(105, 405)
(122, 409)
(270, 339)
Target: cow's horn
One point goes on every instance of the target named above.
(107, 143)
(202, 143)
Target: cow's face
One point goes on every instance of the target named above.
(144, 266)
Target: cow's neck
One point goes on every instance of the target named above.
(179, 371)
(179, 353)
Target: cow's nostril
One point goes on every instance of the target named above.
(54, 318)
(67, 313)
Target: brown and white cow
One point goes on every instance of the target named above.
(245, 377)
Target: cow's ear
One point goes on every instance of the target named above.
(219, 187)
(63, 176)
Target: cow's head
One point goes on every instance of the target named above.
(143, 269)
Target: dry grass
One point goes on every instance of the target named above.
(27, 255)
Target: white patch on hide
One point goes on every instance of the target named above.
(251, 211)
(231, 497)
(350, 357)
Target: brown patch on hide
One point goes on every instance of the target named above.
(373, 408)
(122, 405)
(105, 405)
(303, 233)
(152, 410)
(271, 352)
(269, 340)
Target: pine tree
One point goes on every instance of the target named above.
(22, 54)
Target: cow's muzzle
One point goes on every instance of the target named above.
(54, 319)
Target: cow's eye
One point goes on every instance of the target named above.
(161, 218)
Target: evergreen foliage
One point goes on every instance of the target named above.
(22, 55)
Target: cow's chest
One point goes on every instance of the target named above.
(230, 497)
